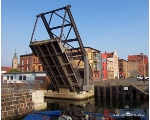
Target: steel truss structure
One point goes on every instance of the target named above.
(56, 59)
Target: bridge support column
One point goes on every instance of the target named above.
(137, 94)
(98, 91)
(110, 102)
(122, 91)
(110, 90)
(86, 70)
(117, 91)
(130, 89)
(104, 91)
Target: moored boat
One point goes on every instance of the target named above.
(74, 113)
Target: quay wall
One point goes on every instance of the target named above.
(122, 91)
(15, 104)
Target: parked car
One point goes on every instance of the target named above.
(147, 78)
(141, 78)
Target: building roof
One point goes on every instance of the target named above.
(138, 57)
(4, 68)
(134, 57)
(109, 55)
(27, 55)
(122, 60)
(26, 72)
(87, 47)
(15, 55)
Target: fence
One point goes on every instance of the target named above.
(7, 86)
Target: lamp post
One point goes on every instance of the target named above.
(143, 65)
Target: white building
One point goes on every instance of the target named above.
(112, 65)
(22, 76)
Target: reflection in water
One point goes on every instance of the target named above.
(98, 104)
(94, 104)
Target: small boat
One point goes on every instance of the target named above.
(74, 113)
(43, 115)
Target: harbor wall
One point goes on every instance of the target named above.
(16, 104)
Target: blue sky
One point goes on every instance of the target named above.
(102, 24)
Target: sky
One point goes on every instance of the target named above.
(105, 25)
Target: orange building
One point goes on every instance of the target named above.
(94, 61)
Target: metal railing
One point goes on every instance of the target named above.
(7, 85)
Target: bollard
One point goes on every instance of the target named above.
(110, 90)
(15, 87)
(130, 89)
(104, 91)
(116, 91)
(98, 91)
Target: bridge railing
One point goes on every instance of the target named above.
(9, 85)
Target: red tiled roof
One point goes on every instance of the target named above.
(109, 54)
(138, 57)
(4, 68)
(134, 57)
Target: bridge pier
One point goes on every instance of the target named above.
(116, 91)
(98, 91)
(122, 91)
(137, 94)
(104, 91)
(110, 91)
(130, 90)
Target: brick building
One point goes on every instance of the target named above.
(29, 62)
(104, 66)
(138, 63)
(4, 69)
(123, 68)
(110, 71)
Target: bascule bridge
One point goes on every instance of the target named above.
(56, 54)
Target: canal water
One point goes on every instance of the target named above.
(96, 104)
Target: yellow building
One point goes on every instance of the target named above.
(94, 61)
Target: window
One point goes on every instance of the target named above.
(33, 68)
(27, 61)
(39, 61)
(22, 62)
(7, 77)
(38, 68)
(33, 60)
(20, 77)
(28, 69)
(91, 56)
(24, 77)
(22, 69)
(103, 59)
(11, 77)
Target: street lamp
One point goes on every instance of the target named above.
(143, 65)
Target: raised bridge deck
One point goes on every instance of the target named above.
(59, 67)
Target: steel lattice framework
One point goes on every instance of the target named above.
(57, 60)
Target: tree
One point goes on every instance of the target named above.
(14, 70)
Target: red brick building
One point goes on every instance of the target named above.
(30, 62)
(104, 66)
(4, 69)
(142, 63)
(123, 68)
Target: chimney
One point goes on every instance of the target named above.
(141, 54)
